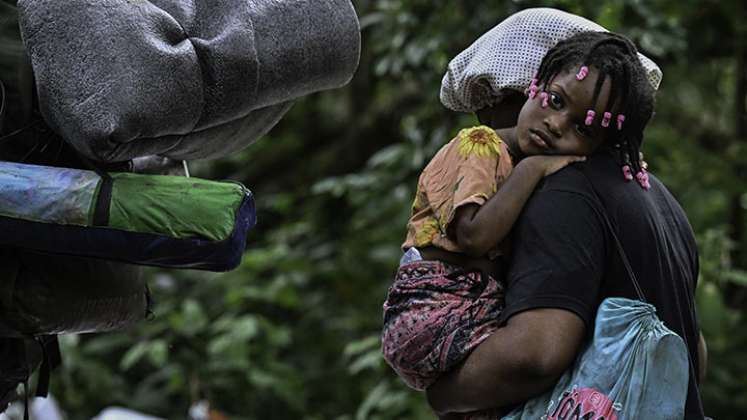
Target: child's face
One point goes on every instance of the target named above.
(559, 129)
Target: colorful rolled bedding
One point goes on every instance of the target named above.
(165, 221)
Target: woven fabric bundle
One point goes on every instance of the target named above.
(509, 55)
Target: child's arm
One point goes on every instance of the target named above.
(480, 228)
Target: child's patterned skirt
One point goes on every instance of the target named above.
(434, 315)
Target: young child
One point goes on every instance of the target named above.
(590, 94)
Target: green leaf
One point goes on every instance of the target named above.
(158, 352)
(373, 399)
(737, 277)
(368, 361)
(193, 319)
(357, 347)
(133, 355)
(245, 328)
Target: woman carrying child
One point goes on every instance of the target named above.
(590, 94)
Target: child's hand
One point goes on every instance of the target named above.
(549, 164)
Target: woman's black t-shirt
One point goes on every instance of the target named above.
(565, 257)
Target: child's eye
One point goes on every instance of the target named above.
(555, 100)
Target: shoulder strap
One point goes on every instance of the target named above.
(633, 279)
(602, 211)
(2, 105)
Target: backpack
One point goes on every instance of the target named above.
(634, 368)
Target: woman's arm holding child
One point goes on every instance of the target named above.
(516, 362)
(480, 228)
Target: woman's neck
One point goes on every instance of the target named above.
(512, 142)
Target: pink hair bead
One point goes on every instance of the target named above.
(589, 117)
(606, 119)
(582, 73)
(533, 88)
(643, 181)
(544, 97)
(627, 173)
(533, 91)
(620, 119)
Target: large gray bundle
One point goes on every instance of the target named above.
(187, 79)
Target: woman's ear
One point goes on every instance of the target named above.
(484, 116)
(503, 114)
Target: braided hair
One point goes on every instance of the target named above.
(631, 95)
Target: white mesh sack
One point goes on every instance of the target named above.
(509, 55)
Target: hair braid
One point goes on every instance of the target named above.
(616, 58)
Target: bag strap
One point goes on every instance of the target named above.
(602, 211)
(624, 258)
(51, 359)
(2, 105)
(104, 197)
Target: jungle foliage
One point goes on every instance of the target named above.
(294, 332)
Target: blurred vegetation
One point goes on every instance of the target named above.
(293, 333)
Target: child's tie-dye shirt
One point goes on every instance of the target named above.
(468, 169)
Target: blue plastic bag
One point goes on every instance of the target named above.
(634, 368)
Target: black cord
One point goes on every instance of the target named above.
(2, 105)
(18, 131)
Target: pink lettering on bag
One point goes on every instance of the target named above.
(583, 403)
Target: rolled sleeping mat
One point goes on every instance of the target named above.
(164, 221)
(507, 57)
(185, 79)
